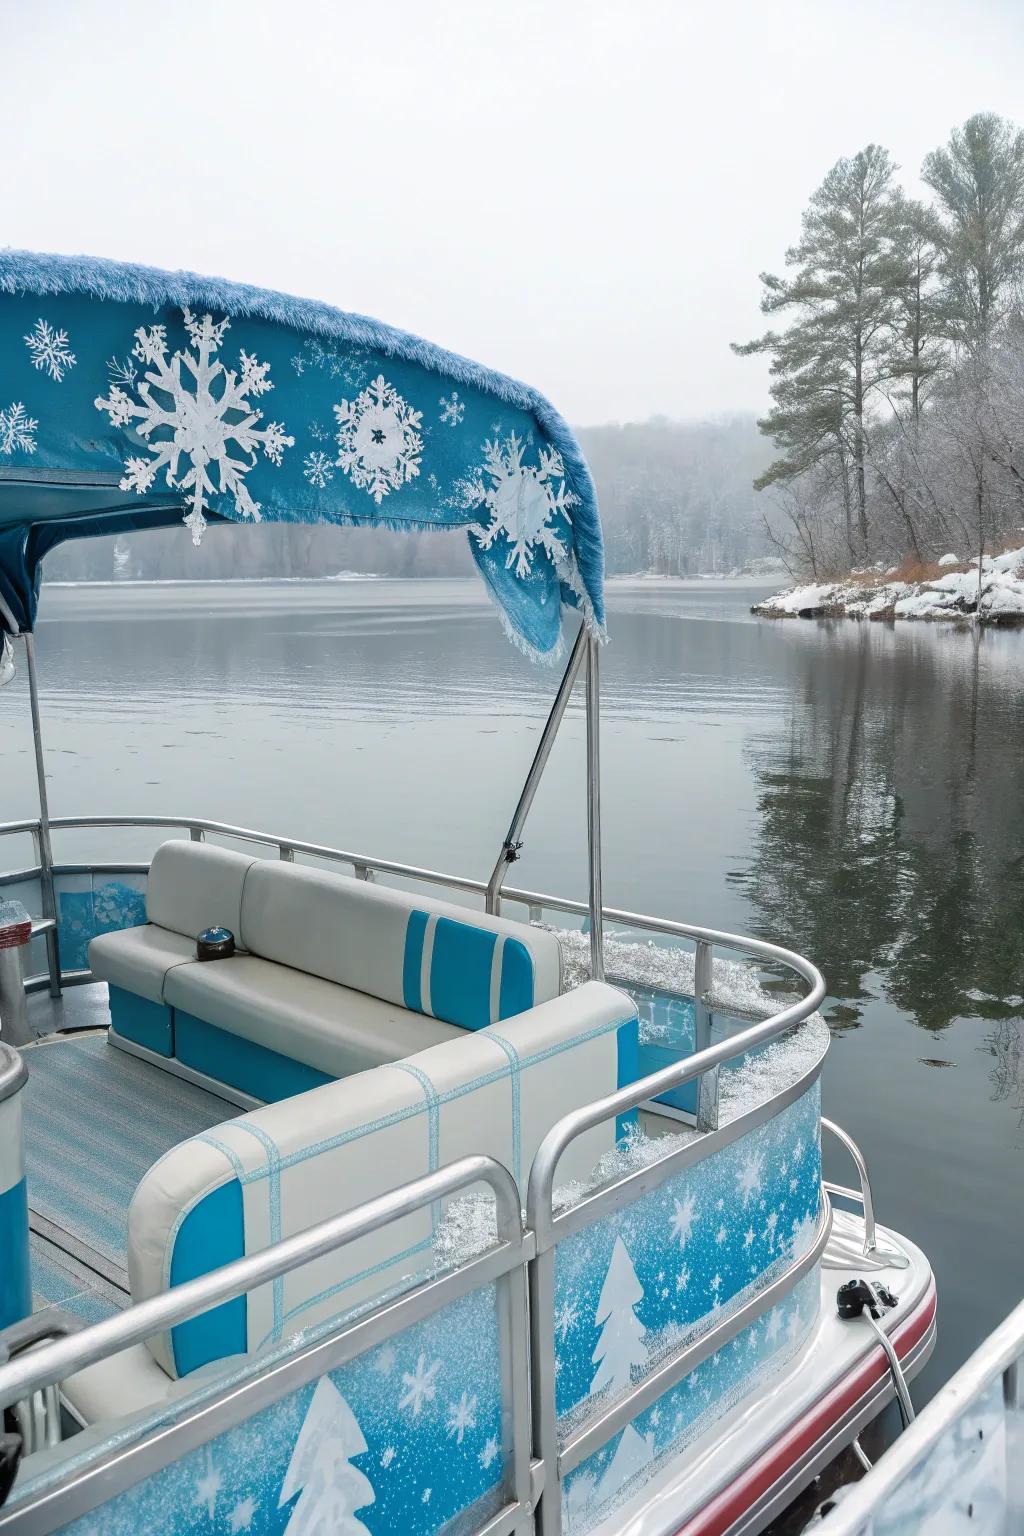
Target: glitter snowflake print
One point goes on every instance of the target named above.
(379, 442)
(50, 351)
(318, 468)
(452, 409)
(521, 500)
(17, 430)
(190, 406)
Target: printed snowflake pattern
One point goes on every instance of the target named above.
(379, 442)
(17, 430)
(452, 409)
(50, 350)
(420, 1385)
(521, 501)
(461, 1416)
(197, 419)
(489, 1452)
(318, 468)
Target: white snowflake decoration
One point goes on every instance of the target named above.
(681, 1222)
(379, 444)
(197, 419)
(489, 1452)
(461, 1416)
(318, 469)
(17, 430)
(521, 501)
(452, 409)
(50, 350)
(420, 1385)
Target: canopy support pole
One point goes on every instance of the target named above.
(45, 847)
(510, 847)
(594, 808)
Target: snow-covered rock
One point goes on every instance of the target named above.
(952, 595)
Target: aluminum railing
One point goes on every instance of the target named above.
(549, 1228)
(545, 1228)
(127, 1461)
(959, 1475)
(366, 867)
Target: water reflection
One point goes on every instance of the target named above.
(889, 840)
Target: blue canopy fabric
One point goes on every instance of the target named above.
(132, 398)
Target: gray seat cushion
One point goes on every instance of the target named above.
(138, 959)
(332, 1028)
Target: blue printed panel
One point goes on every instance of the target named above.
(635, 1286)
(667, 1033)
(91, 904)
(747, 1363)
(403, 1439)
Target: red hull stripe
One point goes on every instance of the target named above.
(801, 1438)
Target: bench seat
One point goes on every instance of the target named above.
(138, 959)
(329, 1027)
(332, 975)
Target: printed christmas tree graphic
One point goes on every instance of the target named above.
(620, 1346)
(331, 1488)
(632, 1454)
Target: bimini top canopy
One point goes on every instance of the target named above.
(132, 398)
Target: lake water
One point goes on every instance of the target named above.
(853, 791)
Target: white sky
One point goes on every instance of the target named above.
(578, 192)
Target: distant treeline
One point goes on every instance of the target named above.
(676, 499)
(898, 382)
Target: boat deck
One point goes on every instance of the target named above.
(95, 1120)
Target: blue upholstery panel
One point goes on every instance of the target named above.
(15, 1282)
(516, 992)
(137, 1019)
(460, 973)
(241, 1063)
(212, 1234)
(412, 965)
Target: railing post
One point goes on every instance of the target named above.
(196, 835)
(45, 845)
(285, 854)
(363, 872)
(594, 809)
(545, 1420)
(707, 1086)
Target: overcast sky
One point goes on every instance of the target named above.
(578, 192)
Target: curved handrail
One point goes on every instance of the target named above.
(288, 846)
(865, 1196)
(38, 1368)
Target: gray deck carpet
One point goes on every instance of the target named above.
(95, 1120)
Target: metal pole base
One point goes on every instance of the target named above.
(14, 1028)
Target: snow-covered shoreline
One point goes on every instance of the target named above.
(950, 594)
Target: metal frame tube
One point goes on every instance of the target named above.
(510, 847)
(594, 809)
(45, 845)
(53, 1362)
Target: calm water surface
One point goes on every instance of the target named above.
(854, 791)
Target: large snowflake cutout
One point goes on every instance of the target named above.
(379, 444)
(50, 350)
(17, 430)
(521, 500)
(196, 418)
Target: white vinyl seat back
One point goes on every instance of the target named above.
(428, 956)
(275, 1171)
(193, 886)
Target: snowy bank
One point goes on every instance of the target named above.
(950, 593)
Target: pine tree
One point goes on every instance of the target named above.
(331, 1488)
(839, 350)
(978, 179)
(620, 1346)
(917, 248)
